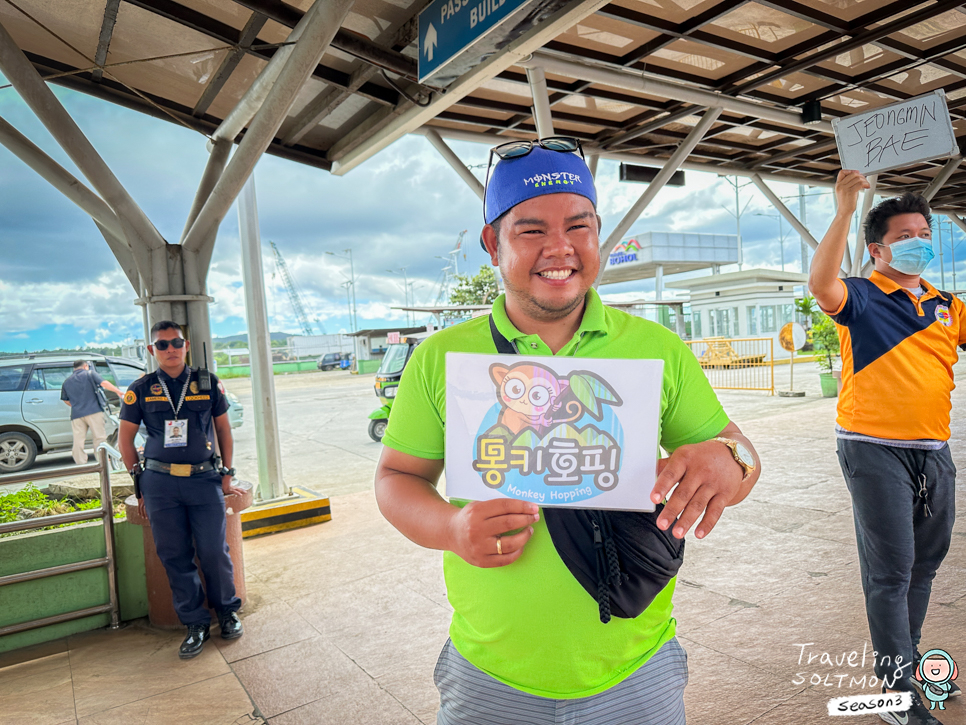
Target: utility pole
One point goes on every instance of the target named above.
(353, 317)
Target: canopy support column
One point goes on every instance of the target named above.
(138, 230)
(270, 485)
(663, 176)
(941, 178)
(789, 216)
(541, 101)
(453, 160)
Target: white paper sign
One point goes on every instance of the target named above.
(896, 135)
(575, 432)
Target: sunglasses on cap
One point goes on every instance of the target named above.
(518, 149)
(162, 345)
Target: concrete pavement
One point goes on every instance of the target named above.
(344, 620)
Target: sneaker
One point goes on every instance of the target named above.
(918, 714)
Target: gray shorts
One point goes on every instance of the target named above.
(653, 695)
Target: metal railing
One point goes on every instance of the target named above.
(105, 513)
(737, 363)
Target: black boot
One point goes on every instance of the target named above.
(194, 642)
(231, 626)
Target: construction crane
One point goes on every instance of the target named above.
(294, 295)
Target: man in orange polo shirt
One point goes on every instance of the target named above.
(899, 338)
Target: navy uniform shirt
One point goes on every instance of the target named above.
(145, 402)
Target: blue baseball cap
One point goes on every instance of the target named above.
(540, 172)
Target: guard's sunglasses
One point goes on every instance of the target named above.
(516, 149)
(162, 345)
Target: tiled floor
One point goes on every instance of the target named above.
(344, 620)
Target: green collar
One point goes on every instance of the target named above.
(592, 321)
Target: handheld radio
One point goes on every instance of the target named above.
(204, 377)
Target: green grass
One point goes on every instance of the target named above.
(30, 502)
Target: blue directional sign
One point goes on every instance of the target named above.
(447, 27)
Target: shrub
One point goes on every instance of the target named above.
(826, 339)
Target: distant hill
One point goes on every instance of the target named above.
(276, 337)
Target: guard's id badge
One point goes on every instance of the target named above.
(176, 433)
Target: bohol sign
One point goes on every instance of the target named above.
(567, 431)
(897, 135)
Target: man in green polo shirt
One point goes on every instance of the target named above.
(526, 642)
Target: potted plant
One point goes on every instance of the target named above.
(826, 339)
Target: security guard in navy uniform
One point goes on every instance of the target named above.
(182, 485)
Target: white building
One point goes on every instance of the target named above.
(656, 254)
(750, 303)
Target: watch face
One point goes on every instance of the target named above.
(745, 455)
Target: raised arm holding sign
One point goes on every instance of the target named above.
(899, 336)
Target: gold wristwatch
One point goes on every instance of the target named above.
(744, 457)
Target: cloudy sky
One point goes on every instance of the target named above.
(61, 287)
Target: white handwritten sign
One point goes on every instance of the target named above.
(573, 432)
(897, 135)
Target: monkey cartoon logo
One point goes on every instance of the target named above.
(562, 428)
(532, 395)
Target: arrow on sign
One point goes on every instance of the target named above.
(430, 42)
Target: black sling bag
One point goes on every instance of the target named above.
(621, 558)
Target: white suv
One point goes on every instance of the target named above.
(33, 418)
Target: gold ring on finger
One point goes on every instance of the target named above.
(499, 546)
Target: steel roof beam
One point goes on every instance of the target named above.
(354, 44)
(663, 176)
(453, 160)
(161, 108)
(857, 41)
(320, 25)
(634, 81)
(790, 217)
(822, 180)
(942, 177)
(254, 98)
(228, 35)
(330, 99)
(58, 177)
(380, 131)
(139, 233)
(248, 35)
(104, 40)
(541, 101)
(75, 191)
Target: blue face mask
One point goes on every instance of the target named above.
(911, 256)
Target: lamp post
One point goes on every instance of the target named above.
(353, 316)
(348, 302)
(405, 288)
(781, 234)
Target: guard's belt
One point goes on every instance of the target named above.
(178, 469)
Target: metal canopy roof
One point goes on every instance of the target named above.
(628, 78)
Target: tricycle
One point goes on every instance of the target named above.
(387, 381)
